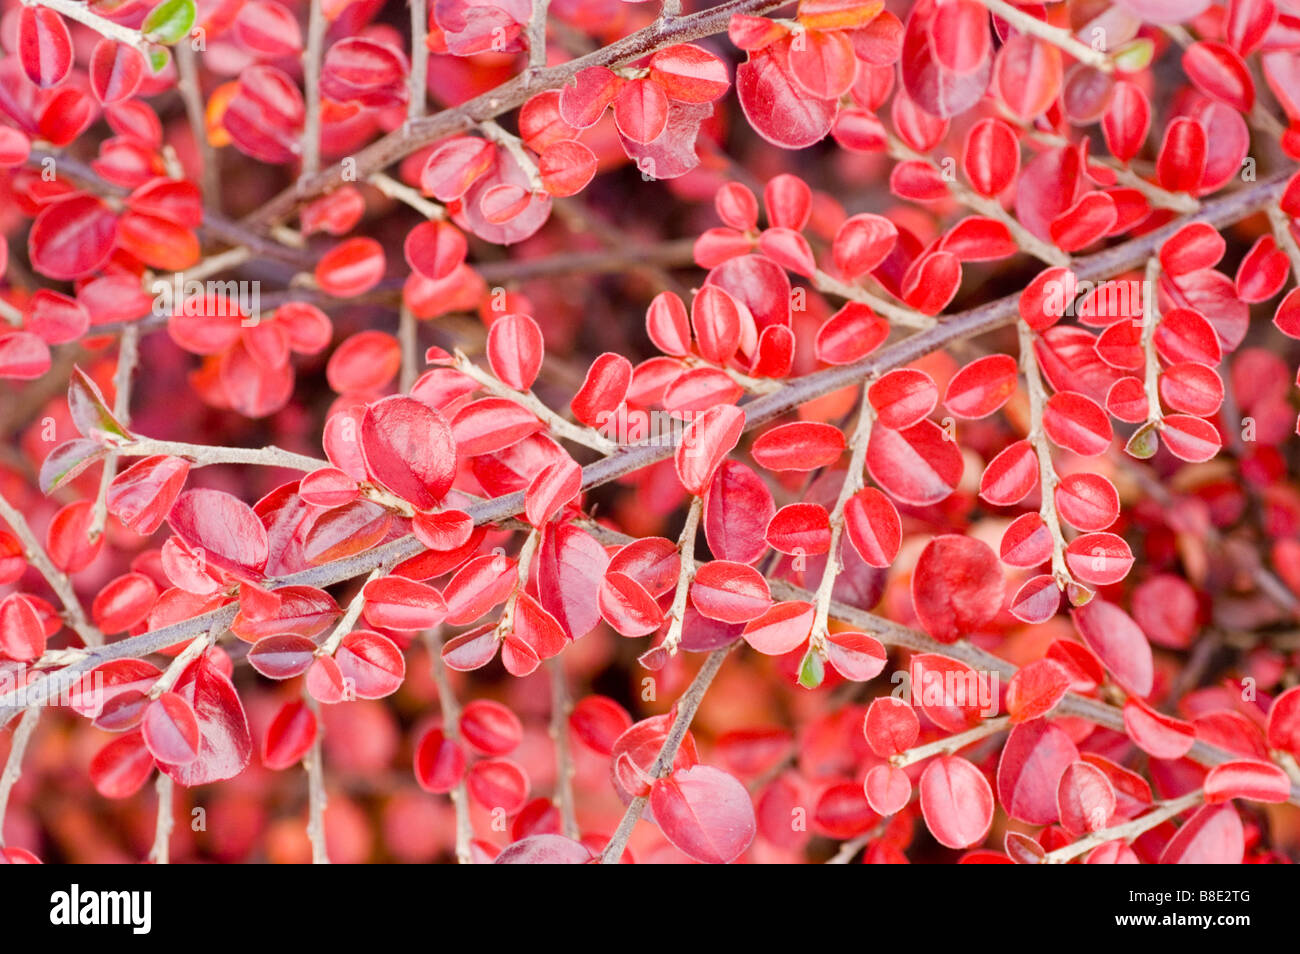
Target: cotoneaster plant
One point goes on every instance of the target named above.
(768, 432)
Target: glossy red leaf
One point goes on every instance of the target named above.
(1087, 501)
(403, 605)
(225, 745)
(888, 789)
(1219, 72)
(1251, 780)
(890, 726)
(604, 389)
(855, 656)
(1190, 438)
(371, 664)
(705, 813)
(781, 628)
(351, 268)
(498, 784)
(290, 735)
(873, 526)
(801, 446)
(1076, 422)
(862, 243)
(1180, 165)
(729, 592)
(1118, 642)
(439, 762)
(1034, 758)
(1010, 476)
(1085, 799)
(705, 443)
(44, 46)
(991, 158)
(1026, 542)
(1195, 246)
(627, 606)
(850, 334)
(981, 387)
(956, 802)
(408, 447)
(1212, 836)
(1035, 690)
(918, 465)
(957, 587)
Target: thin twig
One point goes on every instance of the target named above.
(314, 765)
(687, 706)
(560, 708)
(451, 731)
(1063, 39)
(128, 355)
(187, 66)
(1047, 479)
(1128, 830)
(311, 62)
(559, 426)
(205, 455)
(160, 853)
(74, 614)
(685, 574)
(13, 769)
(419, 87)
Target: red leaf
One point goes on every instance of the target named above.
(1036, 689)
(891, 726)
(1213, 836)
(1085, 798)
(918, 465)
(225, 744)
(982, 387)
(408, 447)
(1284, 722)
(1180, 165)
(776, 105)
(223, 526)
(707, 441)
(1256, 781)
(991, 158)
(705, 813)
(44, 46)
(1034, 758)
(957, 587)
(729, 592)
(737, 510)
(289, 736)
(851, 334)
(782, 628)
(956, 801)
(1117, 640)
(171, 730)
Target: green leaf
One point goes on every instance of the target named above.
(812, 670)
(68, 460)
(169, 22)
(1078, 595)
(1134, 56)
(159, 57)
(1144, 443)
(90, 411)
